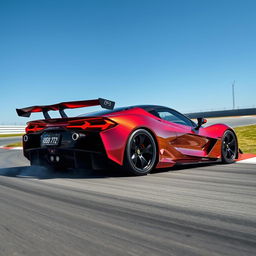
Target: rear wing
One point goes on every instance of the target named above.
(26, 112)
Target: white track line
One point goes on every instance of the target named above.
(248, 161)
(11, 148)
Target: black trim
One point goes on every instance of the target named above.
(62, 113)
(46, 114)
(108, 104)
(68, 158)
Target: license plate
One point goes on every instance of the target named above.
(50, 140)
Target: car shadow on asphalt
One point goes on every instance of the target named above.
(187, 166)
(39, 172)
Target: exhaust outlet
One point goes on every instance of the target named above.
(75, 136)
(25, 138)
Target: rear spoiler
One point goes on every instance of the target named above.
(25, 112)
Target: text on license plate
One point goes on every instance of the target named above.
(51, 140)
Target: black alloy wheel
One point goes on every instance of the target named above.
(140, 152)
(229, 147)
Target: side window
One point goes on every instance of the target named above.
(174, 117)
(155, 113)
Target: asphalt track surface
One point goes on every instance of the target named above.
(195, 210)
(9, 140)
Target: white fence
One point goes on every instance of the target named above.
(12, 129)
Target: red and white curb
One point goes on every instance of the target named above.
(247, 159)
(11, 148)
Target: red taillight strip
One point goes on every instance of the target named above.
(83, 126)
(97, 124)
(88, 124)
(35, 128)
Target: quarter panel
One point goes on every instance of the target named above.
(115, 139)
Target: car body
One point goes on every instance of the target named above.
(139, 138)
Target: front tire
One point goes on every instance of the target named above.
(141, 153)
(229, 147)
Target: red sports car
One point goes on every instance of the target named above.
(138, 138)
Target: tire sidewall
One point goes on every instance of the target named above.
(130, 167)
(224, 159)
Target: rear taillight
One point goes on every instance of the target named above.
(88, 124)
(93, 124)
(34, 127)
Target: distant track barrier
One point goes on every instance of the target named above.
(11, 129)
(17, 129)
(224, 113)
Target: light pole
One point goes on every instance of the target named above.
(233, 93)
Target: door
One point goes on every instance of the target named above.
(189, 141)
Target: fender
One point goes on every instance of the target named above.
(217, 130)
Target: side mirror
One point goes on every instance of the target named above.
(200, 122)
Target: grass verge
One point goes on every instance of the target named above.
(10, 135)
(16, 144)
(247, 138)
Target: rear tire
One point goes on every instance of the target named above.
(229, 148)
(141, 153)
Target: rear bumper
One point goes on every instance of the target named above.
(66, 158)
(85, 152)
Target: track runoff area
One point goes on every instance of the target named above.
(203, 210)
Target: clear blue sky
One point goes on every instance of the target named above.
(183, 54)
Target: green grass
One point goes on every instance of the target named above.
(247, 138)
(10, 135)
(16, 144)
